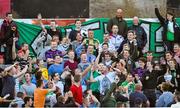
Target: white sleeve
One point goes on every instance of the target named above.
(111, 76)
(99, 78)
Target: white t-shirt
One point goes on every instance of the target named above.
(170, 26)
(60, 85)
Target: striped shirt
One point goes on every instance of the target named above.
(51, 54)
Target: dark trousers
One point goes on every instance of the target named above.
(8, 54)
(150, 94)
(169, 45)
(140, 52)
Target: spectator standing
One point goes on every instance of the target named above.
(76, 89)
(171, 31)
(140, 33)
(9, 31)
(120, 22)
(166, 97)
(40, 94)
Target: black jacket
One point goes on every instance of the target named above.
(164, 24)
(122, 25)
(141, 35)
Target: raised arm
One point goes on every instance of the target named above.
(98, 57)
(86, 70)
(30, 64)
(41, 24)
(14, 49)
(22, 72)
(91, 77)
(161, 19)
(10, 67)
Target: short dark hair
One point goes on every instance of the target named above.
(56, 56)
(20, 94)
(149, 52)
(38, 74)
(168, 52)
(105, 44)
(115, 25)
(108, 53)
(172, 14)
(77, 77)
(131, 31)
(142, 59)
(28, 73)
(53, 75)
(77, 20)
(39, 83)
(26, 99)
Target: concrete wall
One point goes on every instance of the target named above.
(141, 8)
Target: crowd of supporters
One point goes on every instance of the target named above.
(79, 71)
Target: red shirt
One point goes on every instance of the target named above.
(72, 66)
(77, 93)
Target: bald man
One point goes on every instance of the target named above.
(141, 35)
(120, 22)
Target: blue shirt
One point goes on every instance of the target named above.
(91, 57)
(164, 99)
(56, 68)
(79, 50)
(28, 89)
(137, 96)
